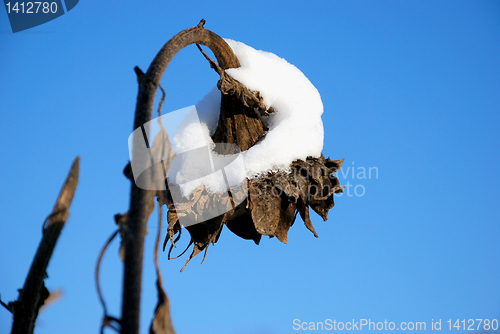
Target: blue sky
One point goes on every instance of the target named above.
(410, 88)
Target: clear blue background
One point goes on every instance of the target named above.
(409, 87)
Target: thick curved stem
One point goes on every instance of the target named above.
(149, 82)
(195, 35)
(142, 201)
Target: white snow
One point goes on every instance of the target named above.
(295, 129)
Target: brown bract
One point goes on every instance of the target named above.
(270, 205)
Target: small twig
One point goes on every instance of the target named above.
(213, 64)
(6, 306)
(161, 102)
(106, 317)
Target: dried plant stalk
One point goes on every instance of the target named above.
(34, 293)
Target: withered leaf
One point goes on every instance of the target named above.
(272, 203)
(162, 323)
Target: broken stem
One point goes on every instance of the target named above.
(34, 292)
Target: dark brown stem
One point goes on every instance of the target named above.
(195, 35)
(34, 293)
(142, 201)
